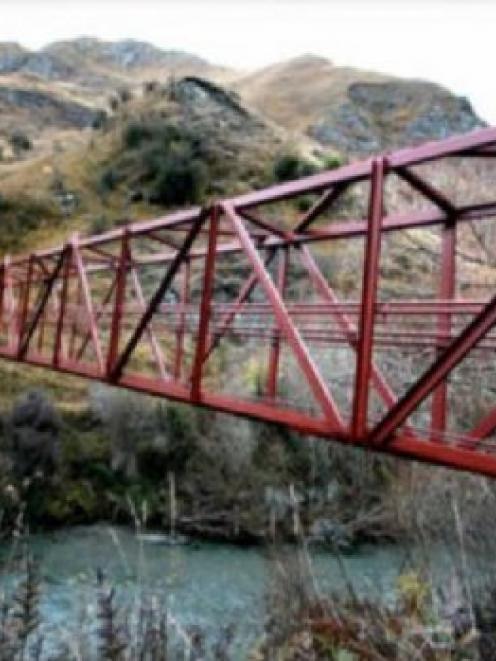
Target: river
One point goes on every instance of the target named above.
(200, 583)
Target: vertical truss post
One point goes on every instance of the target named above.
(119, 301)
(88, 302)
(275, 348)
(25, 306)
(446, 292)
(205, 305)
(75, 321)
(3, 278)
(8, 304)
(41, 332)
(67, 263)
(181, 327)
(369, 300)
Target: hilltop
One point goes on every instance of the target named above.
(98, 64)
(353, 110)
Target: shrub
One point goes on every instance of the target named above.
(150, 86)
(332, 161)
(20, 142)
(33, 430)
(135, 133)
(178, 180)
(167, 161)
(108, 181)
(21, 215)
(125, 95)
(99, 120)
(291, 166)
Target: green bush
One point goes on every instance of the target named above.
(168, 162)
(135, 133)
(178, 180)
(332, 161)
(21, 215)
(292, 166)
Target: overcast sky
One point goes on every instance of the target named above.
(451, 42)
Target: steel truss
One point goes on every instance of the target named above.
(146, 307)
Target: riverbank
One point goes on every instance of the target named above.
(128, 459)
(125, 458)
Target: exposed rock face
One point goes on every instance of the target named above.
(201, 93)
(379, 116)
(48, 66)
(93, 62)
(12, 57)
(130, 54)
(49, 109)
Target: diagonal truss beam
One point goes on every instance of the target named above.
(157, 298)
(152, 338)
(347, 327)
(322, 204)
(452, 355)
(427, 190)
(88, 303)
(49, 284)
(293, 337)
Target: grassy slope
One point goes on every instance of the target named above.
(277, 89)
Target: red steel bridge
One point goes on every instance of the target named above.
(241, 306)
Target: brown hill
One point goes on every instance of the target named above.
(352, 110)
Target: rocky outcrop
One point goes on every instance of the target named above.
(95, 63)
(202, 94)
(47, 108)
(12, 57)
(378, 116)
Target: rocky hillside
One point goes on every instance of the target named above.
(167, 146)
(67, 84)
(352, 110)
(98, 64)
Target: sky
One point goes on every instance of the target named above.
(450, 42)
